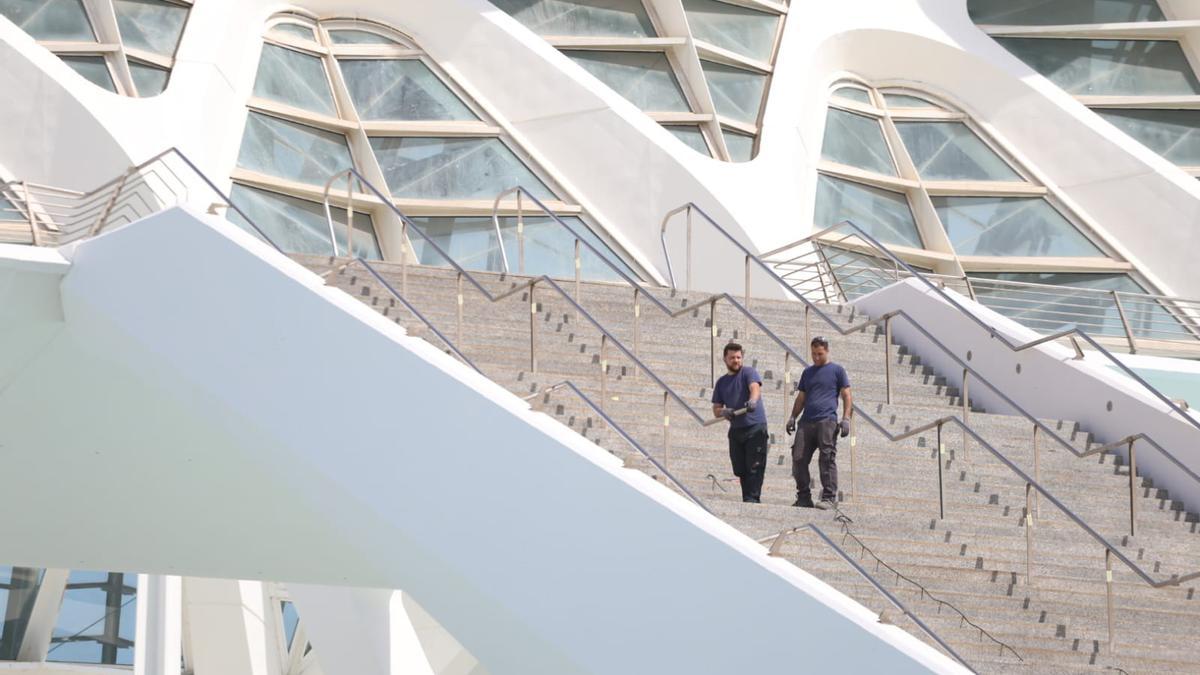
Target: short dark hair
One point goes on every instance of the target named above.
(731, 347)
(819, 342)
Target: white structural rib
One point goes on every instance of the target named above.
(224, 414)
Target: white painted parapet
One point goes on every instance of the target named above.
(225, 414)
(1106, 402)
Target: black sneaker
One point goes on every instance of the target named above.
(804, 503)
(826, 505)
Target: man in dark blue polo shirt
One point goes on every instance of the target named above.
(817, 394)
(739, 388)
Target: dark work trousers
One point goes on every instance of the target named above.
(819, 436)
(748, 454)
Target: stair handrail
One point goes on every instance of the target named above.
(628, 438)
(776, 542)
(993, 332)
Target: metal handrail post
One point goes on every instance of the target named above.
(458, 322)
(637, 320)
(520, 235)
(532, 329)
(970, 289)
(404, 263)
(887, 356)
(1037, 470)
(787, 379)
(33, 230)
(578, 277)
(496, 223)
(712, 341)
(688, 285)
(1132, 488)
(349, 216)
(807, 339)
(112, 201)
(1108, 588)
(603, 370)
(1125, 323)
(666, 428)
(746, 337)
(966, 409)
(1029, 534)
(939, 452)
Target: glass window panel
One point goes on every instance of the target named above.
(854, 94)
(598, 18)
(736, 93)
(740, 146)
(10, 212)
(295, 30)
(906, 101)
(741, 30)
(882, 214)
(856, 140)
(692, 137)
(1058, 12)
(293, 151)
(1010, 226)
(549, 248)
(93, 69)
(291, 621)
(951, 151)
(350, 36)
(50, 19)
(18, 587)
(295, 79)
(150, 25)
(453, 168)
(97, 622)
(644, 78)
(1174, 134)
(1077, 302)
(149, 80)
(299, 226)
(1109, 67)
(388, 89)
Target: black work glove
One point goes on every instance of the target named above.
(845, 425)
(791, 426)
(751, 405)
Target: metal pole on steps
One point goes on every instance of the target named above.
(1037, 469)
(603, 371)
(806, 325)
(688, 289)
(1125, 323)
(1132, 489)
(966, 410)
(532, 330)
(520, 235)
(939, 452)
(578, 274)
(404, 261)
(1108, 583)
(459, 316)
(33, 229)
(637, 331)
(787, 380)
(666, 428)
(1029, 534)
(712, 341)
(746, 337)
(887, 353)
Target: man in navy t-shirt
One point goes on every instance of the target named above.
(817, 394)
(741, 388)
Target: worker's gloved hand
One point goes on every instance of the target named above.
(791, 426)
(727, 413)
(845, 425)
(751, 405)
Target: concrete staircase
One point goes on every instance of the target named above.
(965, 575)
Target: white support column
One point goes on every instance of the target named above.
(158, 646)
(43, 616)
(231, 628)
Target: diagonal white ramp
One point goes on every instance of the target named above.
(209, 408)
